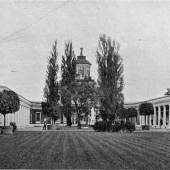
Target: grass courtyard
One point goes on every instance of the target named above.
(84, 150)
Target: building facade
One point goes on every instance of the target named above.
(82, 67)
(82, 74)
(161, 116)
(29, 113)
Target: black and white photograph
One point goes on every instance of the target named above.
(85, 84)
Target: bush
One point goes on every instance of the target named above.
(103, 126)
(145, 127)
(129, 126)
(14, 126)
(100, 126)
(116, 127)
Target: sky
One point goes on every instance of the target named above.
(29, 28)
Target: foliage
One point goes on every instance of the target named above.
(68, 66)
(103, 114)
(100, 126)
(13, 124)
(84, 96)
(110, 76)
(167, 93)
(114, 127)
(131, 112)
(117, 126)
(145, 127)
(45, 108)
(51, 88)
(68, 71)
(9, 103)
(121, 113)
(129, 126)
(146, 108)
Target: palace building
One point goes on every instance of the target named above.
(82, 67)
(161, 116)
(30, 113)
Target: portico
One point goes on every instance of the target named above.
(161, 116)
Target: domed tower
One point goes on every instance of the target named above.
(82, 67)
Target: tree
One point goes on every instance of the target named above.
(110, 76)
(146, 109)
(84, 96)
(167, 93)
(121, 113)
(68, 71)
(52, 87)
(9, 103)
(131, 112)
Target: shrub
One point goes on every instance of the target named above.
(129, 126)
(14, 126)
(145, 127)
(109, 126)
(103, 126)
(100, 126)
(116, 127)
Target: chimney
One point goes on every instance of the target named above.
(81, 51)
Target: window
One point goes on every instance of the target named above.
(38, 117)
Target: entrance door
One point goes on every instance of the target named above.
(37, 117)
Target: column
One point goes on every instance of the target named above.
(164, 116)
(150, 123)
(140, 120)
(159, 115)
(154, 117)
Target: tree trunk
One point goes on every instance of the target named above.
(4, 120)
(78, 116)
(79, 124)
(61, 118)
(145, 120)
(69, 120)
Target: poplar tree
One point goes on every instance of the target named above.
(68, 71)
(110, 76)
(51, 88)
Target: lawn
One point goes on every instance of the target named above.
(84, 150)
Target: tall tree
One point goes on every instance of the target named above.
(110, 76)
(51, 88)
(68, 71)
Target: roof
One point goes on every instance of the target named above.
(82, 60)
(163, 99)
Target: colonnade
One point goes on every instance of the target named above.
(160, 118)
(21, 117)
